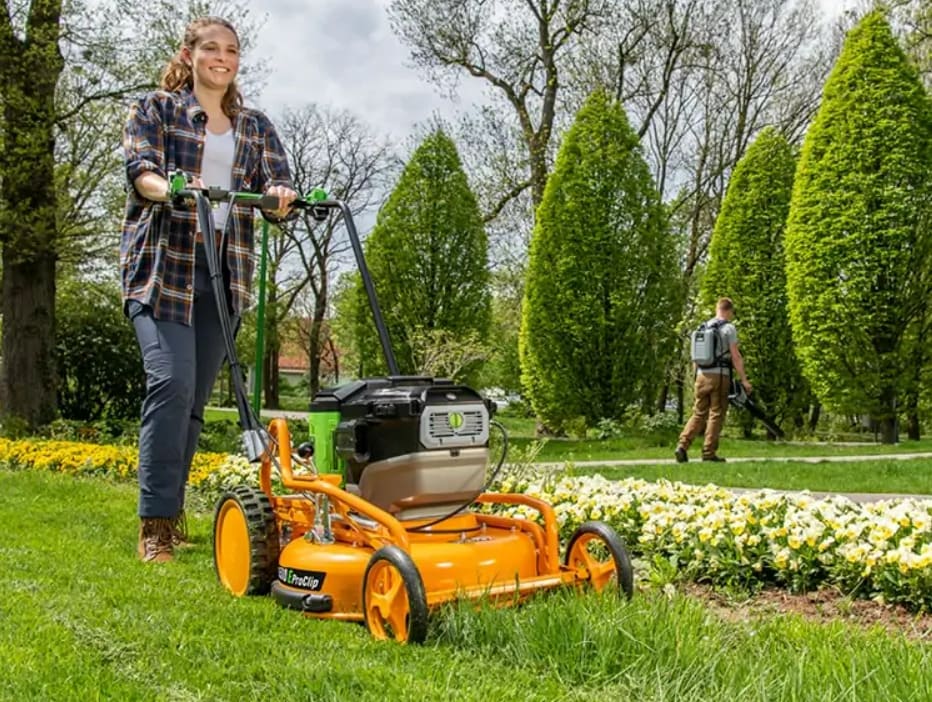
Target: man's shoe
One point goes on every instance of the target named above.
(681, 455)
(713, 459)
(155, 540)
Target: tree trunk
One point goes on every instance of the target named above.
(664, 395)
(315, 334)
(28, 382)
(335, 360)
(270, 376)
(814, 415)
(29, 71)
(913, 430)
(887, 422)
(315, 346)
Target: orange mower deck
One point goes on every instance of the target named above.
(363, 564)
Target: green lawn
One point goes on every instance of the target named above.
(647, 447)
(912, 476)
(82, 619)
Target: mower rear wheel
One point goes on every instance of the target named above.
(596, 548)
(245, 541)
(394, 602)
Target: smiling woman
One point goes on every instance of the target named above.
(195, 124)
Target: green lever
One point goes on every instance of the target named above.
(176, 184)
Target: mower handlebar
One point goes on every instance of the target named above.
(264, 202)
(319, 206)
(316, 200)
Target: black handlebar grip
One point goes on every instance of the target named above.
(268, 202)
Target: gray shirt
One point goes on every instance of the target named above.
(729, 335)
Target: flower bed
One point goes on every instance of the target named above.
(708, 534)
(77, 458)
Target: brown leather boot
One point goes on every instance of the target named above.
(180, 535)
(155, 540)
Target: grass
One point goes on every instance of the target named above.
(82, 619)
(913, 476)
(662, 447)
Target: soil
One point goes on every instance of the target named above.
(824, 606)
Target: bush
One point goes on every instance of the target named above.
(606, 429)
(664, 423)
(103, 431)
(100, 367)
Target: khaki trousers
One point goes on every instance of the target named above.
(709, 408)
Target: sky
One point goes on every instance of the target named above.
(343, 53)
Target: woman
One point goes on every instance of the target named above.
(195, 123)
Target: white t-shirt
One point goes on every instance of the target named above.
(217, 169)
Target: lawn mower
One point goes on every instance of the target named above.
(382, 516)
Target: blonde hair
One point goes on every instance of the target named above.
(177, 74)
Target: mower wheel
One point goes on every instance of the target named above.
(597, 548)
(394, 602)
(245, 541)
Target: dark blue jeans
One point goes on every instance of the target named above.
(181, 363)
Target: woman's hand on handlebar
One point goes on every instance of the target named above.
(285, 197)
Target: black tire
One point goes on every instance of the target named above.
(415, 624)
(624, 573)
(261, 541)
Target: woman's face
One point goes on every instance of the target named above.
(215, 58)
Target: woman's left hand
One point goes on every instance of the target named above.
(285, 197)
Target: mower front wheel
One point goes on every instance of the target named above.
(596, 548)
(245, 541)
(394, 601)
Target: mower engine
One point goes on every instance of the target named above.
(410, 445)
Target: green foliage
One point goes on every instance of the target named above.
(857, 240)
(603, 282)
(428, 258)
(344, 323)
(99, 363)
(503, 369)
(746, 263)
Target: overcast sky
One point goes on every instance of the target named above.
(343, 53)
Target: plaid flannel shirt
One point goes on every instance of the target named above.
(165, 132)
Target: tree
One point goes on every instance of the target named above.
(59, 66)
(858, 241)
(335, 150)
(30, 65)
(503, 367)
(428, 258)
(746, 263)
(601, 293)
(516, 46)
